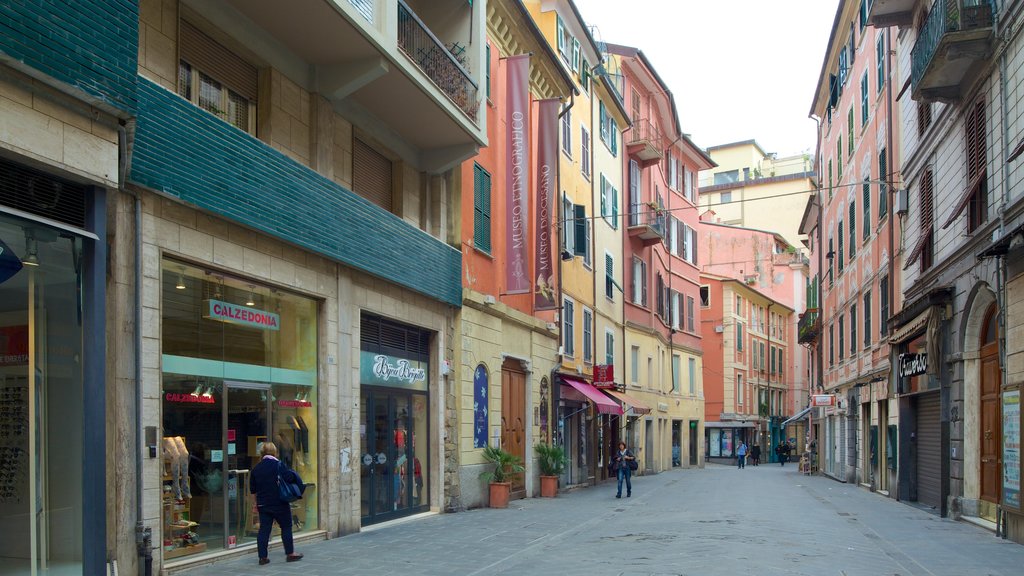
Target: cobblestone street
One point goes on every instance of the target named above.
(716, 521)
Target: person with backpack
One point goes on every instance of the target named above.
(265, 479)
(624, 463)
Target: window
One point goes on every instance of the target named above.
(883, 189)
(839, 158)
(576, 55)
(487, 70)
(880, 65)
(739, 305)
(689, 244)
(866, 224)
(727, 177)
(780, 364)
(864, 100)
(849, 131)
(883, 308)
(771, 367)
(609, 276)
(831, 345)
(926, 248)
(634, 360)
(675, 373)
(842, 336)
(841, 241)
(674, 233)
(830, 256)
(924, 117)
(585, 152)
(567, 328)
(661, 300)
(725, 197)
(564, 40)
(688, 185)
(636, 206)
(372, 174)
(693, 375)
(609, 348)
(676, 305)
(863, 15)
(689, 314)
(739, 336)
(635, 105)
(853, 329)
(739, 389)
(588, 227)
(639, 282)
(585, 75)
(853, 230)
(977, 168)
(609, 129)
(830, 179)
(568, 226)
(567, 133)
(867, 318)
(588, 336)
(605, 200)
(216, 79)
(705, 296)
(481, 209)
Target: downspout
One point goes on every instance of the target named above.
(1001, 296)
(820, 348)
(768, 312)
(559, 229)
(143, 533)
(889, 188)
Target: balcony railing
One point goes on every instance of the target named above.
(808, 327)
(644, 141)
(646, 223)
(436, 60)
(949, 17)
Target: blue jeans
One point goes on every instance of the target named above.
(740, 460)
(625, 472)
(282, 513)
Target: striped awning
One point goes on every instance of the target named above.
(629, 403)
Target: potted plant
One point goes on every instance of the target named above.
(552, 461)
(500, 476)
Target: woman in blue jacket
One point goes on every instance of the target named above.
(621, 460)
(263, 483)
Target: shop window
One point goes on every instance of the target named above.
(239, 369)
(216, 79)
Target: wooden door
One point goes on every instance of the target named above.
(990, 433)
(513, 419)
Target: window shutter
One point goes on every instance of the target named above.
(220, 63)
(576, 55)
(371, 174)
(609, 274)
(481, 209)
(867, 211)
(615, 208)
(840, 240)
(604, 196)
(883, 189)
(560, 30)
(614, 136)
(853, 230)
(580, 221)
(587, 256)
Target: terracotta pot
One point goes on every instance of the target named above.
(499, 494)
(548, 486)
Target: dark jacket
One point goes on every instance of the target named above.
(263, 481)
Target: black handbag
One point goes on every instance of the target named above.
(633, 465)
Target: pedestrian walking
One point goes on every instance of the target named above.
(741, 455)
(778, 453)
(785, 448)
(264, 484)
(624, 463)
(755, 454)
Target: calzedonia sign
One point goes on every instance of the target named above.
(242, 315)
(385, 370)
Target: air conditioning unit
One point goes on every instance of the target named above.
(719, 329)
(902, 201)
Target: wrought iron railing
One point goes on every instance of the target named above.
(947, 16)
(644, 214)
(436, 60)
(643, 129)
(807, 327)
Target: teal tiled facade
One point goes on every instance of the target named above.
(90, 45)
(184, 152)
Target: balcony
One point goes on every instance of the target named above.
(646, 223)
(952, 46)
(809, 327)
(644, 143)
(883, 13)
(404, 71)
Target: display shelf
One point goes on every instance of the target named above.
(185, 551)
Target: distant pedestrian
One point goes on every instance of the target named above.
(755, 454)
(624, 462)
(784, 450)
(741, 455)
(778, 452)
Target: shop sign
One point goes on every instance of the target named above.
(14, 346)
(294, 403)
(1011, 449)
(243, 315)
(823, 400)
(385, 370)
(913, 364)
(188, 398)
(604, 374)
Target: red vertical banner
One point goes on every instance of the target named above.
(517, 215)
(547, 177)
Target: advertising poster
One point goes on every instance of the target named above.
(1011, 449)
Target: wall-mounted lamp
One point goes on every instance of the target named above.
(181, 279)
(31, 250)
(251, 301)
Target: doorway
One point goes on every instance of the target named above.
(990, 432)
(648, 444)
(393, 473)
(513, 419)
(693, 442)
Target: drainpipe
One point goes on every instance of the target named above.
(143, 533)
(559, 229)
(820, 348)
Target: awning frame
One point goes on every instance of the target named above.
(798, 416)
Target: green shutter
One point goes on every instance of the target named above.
(613, 135)
(853, 230)
(604, 196)
(580, 220)
(481, 209)
(883, 189)
(867, 211)
(488, 60)
(615, 208)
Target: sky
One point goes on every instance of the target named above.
(739, 69)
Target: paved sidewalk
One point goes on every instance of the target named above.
(713, 521)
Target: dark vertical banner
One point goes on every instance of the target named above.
(480, 421)
(517, 215)
(547, 176)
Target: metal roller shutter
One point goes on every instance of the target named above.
(929, 436)
(371, 174)
(218, 62)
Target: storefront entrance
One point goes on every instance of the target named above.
(991, 432)
(393, 455)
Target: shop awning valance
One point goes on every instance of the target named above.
(630, 402)
(910, 328)
(602, 403)
(798, 415)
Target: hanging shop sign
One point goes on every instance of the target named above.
(913, 364)
(604, 374)
(243, 315)
(385, 370)
(823, 400)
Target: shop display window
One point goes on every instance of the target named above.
(239, 369)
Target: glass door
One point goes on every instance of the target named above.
(392, 468)
(246, 418)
